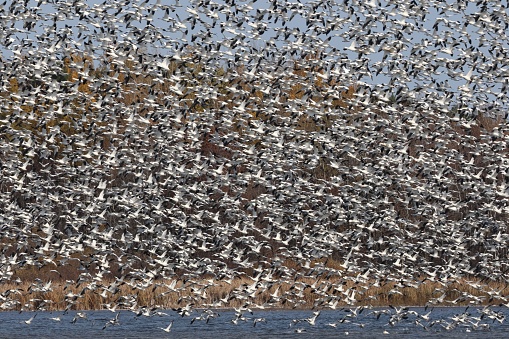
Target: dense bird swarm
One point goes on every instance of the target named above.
(317, 150)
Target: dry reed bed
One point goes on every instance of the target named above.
(303, 294)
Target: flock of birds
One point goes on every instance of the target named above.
(352, 143)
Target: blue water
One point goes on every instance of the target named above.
(279, 324)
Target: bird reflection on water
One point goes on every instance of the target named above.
(277, 323)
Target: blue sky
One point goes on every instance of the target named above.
(443, 25)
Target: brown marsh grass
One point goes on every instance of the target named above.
(304, 293)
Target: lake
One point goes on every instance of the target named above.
(278, 324)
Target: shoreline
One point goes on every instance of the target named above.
(254, 309)
(220, 295)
